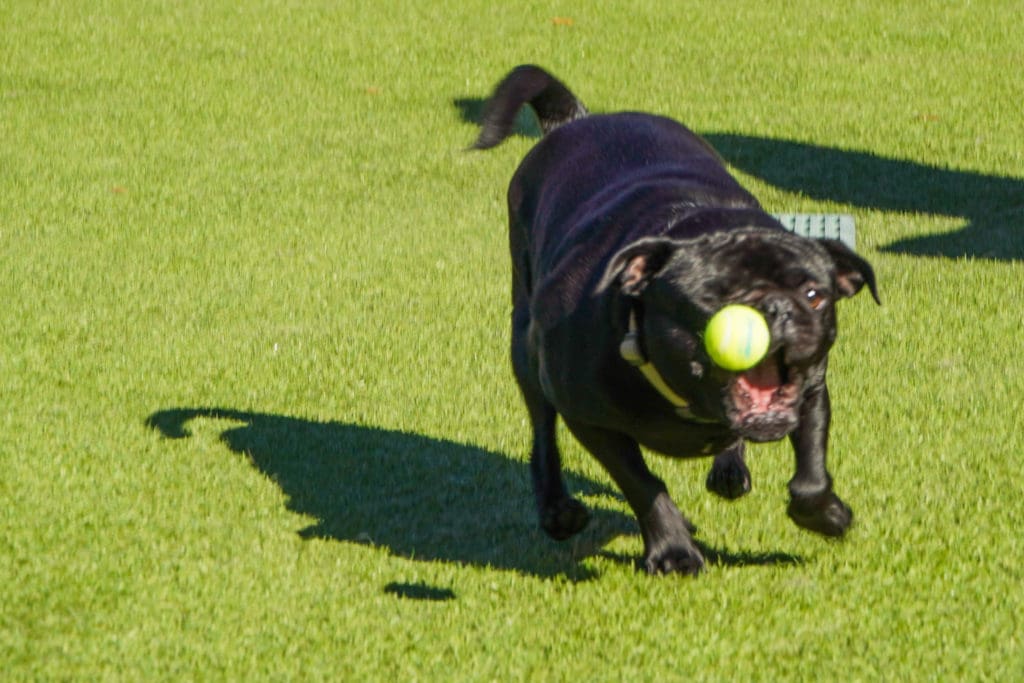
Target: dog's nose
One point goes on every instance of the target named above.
(781, 317)
(792, 330)
(777, 309)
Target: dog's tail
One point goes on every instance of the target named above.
(554, 104)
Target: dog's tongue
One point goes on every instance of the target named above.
(761, 382)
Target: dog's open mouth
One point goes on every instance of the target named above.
(764, 400)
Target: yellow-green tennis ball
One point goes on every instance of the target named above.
(737, 337)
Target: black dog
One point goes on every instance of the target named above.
(627, 233)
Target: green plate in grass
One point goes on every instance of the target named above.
(833, 226)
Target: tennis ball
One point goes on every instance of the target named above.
(737, 337)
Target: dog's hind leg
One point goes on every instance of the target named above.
(561, 515)
(668, 545)
(729, 476)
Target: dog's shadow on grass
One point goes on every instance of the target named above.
(420, 497)
(992, 206)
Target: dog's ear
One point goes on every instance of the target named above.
(852, 271)
(634, 266)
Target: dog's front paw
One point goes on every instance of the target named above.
(824, 513)
(729, 478)
(675, 557)
(564, 518)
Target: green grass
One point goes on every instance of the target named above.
(258, 421)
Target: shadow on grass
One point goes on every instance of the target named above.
(419, 497)
(992, 206)
(419, 591)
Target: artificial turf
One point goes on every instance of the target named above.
(258, 420)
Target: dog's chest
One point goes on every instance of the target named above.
(677, 438)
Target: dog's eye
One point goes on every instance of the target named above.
(815, 298)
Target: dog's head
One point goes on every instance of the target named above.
(795, 282)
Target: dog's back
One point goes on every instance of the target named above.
(588, 167)
(598, 157)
